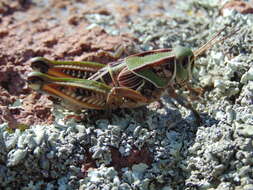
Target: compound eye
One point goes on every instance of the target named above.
(187, 61)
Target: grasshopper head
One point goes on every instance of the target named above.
(40, 64)
(184, 64)
(185, 56)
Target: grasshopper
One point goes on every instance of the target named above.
(131, 82)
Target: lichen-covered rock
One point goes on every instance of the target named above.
(16, 156)
(155, 147)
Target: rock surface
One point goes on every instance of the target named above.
(154, 147)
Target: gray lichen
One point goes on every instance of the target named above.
(216, 155)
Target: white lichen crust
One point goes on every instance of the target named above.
(216, 155)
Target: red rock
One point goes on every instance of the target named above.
(240, 6)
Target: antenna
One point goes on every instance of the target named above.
(214, 40)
